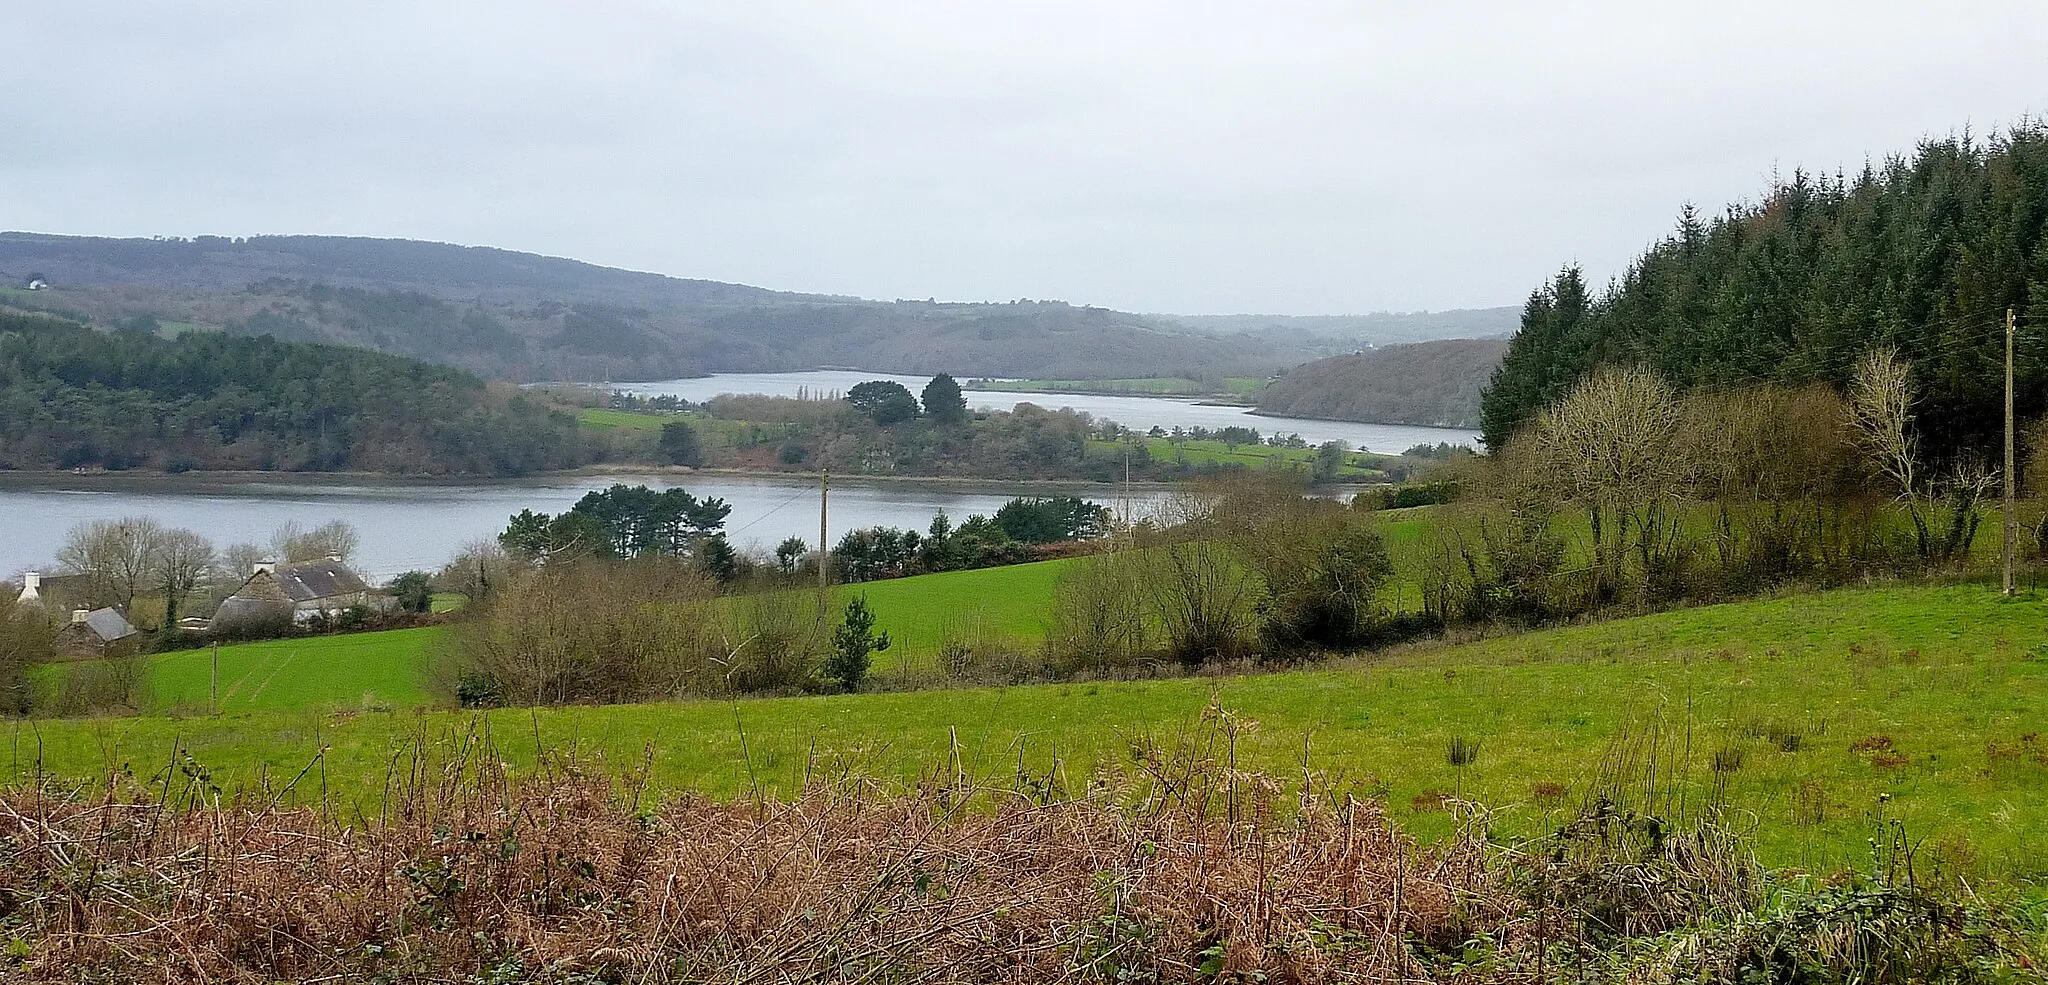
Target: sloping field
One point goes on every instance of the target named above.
(1828, 714)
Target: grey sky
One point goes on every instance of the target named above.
(1176, 156)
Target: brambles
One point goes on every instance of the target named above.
(1181, 870)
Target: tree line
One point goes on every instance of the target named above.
(72, 397)
(1923, 254)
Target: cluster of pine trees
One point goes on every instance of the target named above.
(1923, 253)
(72, 397)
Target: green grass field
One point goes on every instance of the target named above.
(1844, 708)
(354, 670)
(1357, 464)
(994, 605)
(602, 419)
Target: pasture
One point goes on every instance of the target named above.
(1806, 722)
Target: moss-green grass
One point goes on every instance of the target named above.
(1198, 453)
(1953, 676)
(1007, 605)
(604, 419)
(353, 670)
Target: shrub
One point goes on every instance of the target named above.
(853, 643)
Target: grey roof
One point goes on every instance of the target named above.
(108, 625)
(239, 612)
(309, 580)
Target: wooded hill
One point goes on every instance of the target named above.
(72, 397)
(523, 317)
(1924, 253)
(1432, 383)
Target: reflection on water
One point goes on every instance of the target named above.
(408, 524)
(1141, 413)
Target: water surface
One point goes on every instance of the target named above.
(1141, 413)
(408, 524)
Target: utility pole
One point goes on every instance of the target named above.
(213, 688)
(2008, 452)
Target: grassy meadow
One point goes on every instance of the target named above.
(1150, 386)
(1826, 712)
(991, 606)
(1357, 466)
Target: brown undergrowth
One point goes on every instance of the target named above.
(1182, 869)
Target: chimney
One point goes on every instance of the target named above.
(31, 585)
(78, 615)
(264, 568)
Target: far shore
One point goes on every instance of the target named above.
(49, 478)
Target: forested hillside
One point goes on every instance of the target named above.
(1377, 328)
(71, 397)
(524, 317)
(1924, 253)
(1435, 383)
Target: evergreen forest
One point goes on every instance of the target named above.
(1922, 253)
(73, 397)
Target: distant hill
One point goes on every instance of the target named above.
(1435, 383)
(519, 316)
(72, 397)
(1378, 328)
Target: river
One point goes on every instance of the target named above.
(412, 523)
(1140, 413)
(407, 524)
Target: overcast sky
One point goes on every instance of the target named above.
(1180, 156)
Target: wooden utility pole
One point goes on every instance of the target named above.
(824, 548)
(2008, 452)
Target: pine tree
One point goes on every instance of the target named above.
(853, 642)
(943, 401)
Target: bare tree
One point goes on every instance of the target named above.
(1881, 403)
(118, 557)
(335, 538)
(1197, 591)
(479, 570)
(1881, 409)
(184, 561)
(1609, 443)
(1772, 459)
(1098, 618)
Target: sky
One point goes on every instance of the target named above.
(1181, 156)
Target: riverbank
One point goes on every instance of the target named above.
(1255, 411)
(49, 479)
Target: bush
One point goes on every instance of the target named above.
(414, 591)
(590, 630)
(852, 644)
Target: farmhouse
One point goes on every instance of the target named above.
(278, 595)
(97, 633)
(58, 593)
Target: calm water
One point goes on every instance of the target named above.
(411, 524)
(408, 524)
(1141, 413)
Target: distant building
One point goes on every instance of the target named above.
(98, 633)
(38, 284)
(56, 593)
(276, 596)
